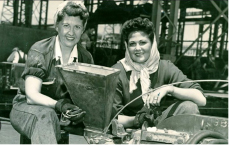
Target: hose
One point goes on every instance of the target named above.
(218, 141)
(204, 134)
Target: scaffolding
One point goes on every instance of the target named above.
(7, 14)
(22, 12)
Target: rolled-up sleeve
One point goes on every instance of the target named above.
(35, 65)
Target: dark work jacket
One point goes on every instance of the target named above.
(41, 63)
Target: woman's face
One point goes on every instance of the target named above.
(70, 30)
(139, 46)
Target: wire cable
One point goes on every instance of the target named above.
(190, 81)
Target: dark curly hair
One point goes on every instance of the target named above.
(138, 24)
(72, 9)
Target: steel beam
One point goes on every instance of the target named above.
(22, 10)
(199, 43)
(28, 13)
(224, 29)
(175, 4)
(46, 15)
(40, 14)
(216, 28)
(209, 39)
(15, 13)
(218, 9)
(156, 17)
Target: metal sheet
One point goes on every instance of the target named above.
(92, 88)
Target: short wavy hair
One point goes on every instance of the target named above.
(71, 9)
(138, 24)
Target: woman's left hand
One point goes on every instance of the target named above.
(154, 98)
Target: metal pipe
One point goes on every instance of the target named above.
(218, 141)
(4, 119)
(204, 134)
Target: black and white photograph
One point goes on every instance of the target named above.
(114, 72)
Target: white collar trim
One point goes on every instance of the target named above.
(58, 53)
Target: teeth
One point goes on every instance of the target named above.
(137, 53)
(69, 38)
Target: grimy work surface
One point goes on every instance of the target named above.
(92, 88)
(194, 122)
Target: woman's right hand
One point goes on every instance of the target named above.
(75, 113)
(154, 98)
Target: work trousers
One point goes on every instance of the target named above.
(181, 107)
(38, 123)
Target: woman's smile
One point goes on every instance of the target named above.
(70, 38)
(139, 54)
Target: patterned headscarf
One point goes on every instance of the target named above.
(61, 6)
(142, 71)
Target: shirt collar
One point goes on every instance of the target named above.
(126, 66)
(58, 53)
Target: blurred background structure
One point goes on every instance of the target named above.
(187, 31)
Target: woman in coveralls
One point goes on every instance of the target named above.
(141, 71)
(35, 107)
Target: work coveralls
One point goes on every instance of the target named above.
(40, 123)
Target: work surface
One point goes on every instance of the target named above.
(10, 136)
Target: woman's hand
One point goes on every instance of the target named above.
(154, 98)
(186, 94)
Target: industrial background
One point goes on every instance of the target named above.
(186, 30)
(190, 33)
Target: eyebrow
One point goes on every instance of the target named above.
(138, 41)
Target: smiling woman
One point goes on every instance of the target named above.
(69, 31)
(35, 107)
(141, 71)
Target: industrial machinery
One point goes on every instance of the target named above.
(185, 129)
(94, 87)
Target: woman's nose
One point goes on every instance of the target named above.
(71, 31)
(138, 47)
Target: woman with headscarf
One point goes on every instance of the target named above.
(141, 71)
(44, 95)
